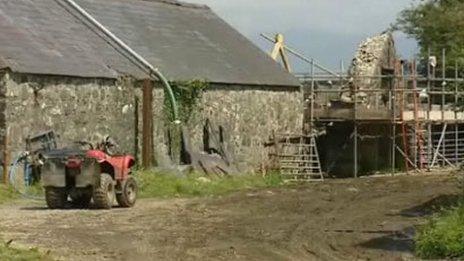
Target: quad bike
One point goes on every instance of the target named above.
(86, 174)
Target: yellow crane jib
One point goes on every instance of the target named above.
(279, 49)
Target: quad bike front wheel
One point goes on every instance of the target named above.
(128, 195)
(103, 195)
(56, 198)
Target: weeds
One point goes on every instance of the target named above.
(158, 185)
(154, 185)
(443, 236)
(7, 194)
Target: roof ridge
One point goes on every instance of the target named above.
(179, 3)
(163, 33)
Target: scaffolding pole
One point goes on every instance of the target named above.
(392, 95)
(312, 98)
(302, 57)
(429, 109)
(393, 156)
(443, 98)
(406, 90)
(456, 127)
(443, 84)
(440, 142)
(418, 126)
(355, 137)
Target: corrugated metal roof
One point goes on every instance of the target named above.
(185, 41)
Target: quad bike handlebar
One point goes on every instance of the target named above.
(84, 143)
(106, 145)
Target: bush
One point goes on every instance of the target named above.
(156, 185)
(443, 236)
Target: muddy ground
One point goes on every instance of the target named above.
(337, 220)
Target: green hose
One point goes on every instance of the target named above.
(140, 61)
(170, 92)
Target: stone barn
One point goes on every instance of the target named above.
(58, 73)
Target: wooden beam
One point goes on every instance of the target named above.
(147, 121)
(6, 157)
(279, 49)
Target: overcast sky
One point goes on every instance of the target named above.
(328, 30)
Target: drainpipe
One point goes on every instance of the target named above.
(142, 63)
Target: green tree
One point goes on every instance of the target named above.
(436, 24)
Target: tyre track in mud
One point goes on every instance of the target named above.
(337, 220)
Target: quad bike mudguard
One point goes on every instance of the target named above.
(63, 166)
(89, 175)
(121, 165)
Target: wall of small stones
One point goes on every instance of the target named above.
(89, 109)
(372, 55)
(250, 117)
(76, 109)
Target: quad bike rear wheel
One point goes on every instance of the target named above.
(128, 195)
(56, 198)
(103, 195)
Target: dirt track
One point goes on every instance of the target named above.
(337, 220)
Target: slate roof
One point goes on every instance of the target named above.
(185, 41)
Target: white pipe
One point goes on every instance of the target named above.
(111, 35)
(147, 66)
(302, 57)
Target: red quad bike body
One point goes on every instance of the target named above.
(89, 175)
(121, 164)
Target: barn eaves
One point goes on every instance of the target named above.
(185, 41)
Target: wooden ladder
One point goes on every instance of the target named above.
(418, 144)
(419, 131)
(401, 100)
(299, 161)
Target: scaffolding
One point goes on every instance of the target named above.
(425, 112)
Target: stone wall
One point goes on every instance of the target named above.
(250, 116)
(372, 55)
(90, 109)
(77, 109)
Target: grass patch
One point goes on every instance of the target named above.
(443, 236)
(36, 190)
(155, 185)
(18, 254)
(7, 194)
